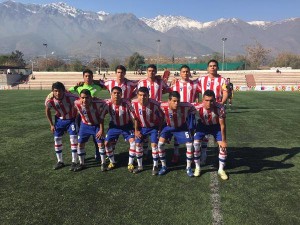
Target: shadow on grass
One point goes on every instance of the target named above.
(256, 159)
(260, 159)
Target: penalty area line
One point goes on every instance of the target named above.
(215, 199)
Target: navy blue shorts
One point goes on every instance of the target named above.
(203, 130)
(145, 132)
(114, 132)
(86, 131)
(64, 125)
(181, 134)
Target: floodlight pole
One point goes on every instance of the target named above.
(46, 46)
(223, 39)
(100, 43)
(158, 42)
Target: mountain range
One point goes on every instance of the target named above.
(71, 32)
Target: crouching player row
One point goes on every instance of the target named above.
(92, 113)
(151, 116)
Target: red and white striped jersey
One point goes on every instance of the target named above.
(187, 90)
(121, 114)
(64, 108)
(212, 116)
(156, 88)
(93, 114)
(128, 87)
(216, 84)
(177, 118)
(150, 115)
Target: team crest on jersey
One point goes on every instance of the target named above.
(208, 84)
(57, 105)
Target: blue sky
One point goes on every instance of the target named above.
(201, 10)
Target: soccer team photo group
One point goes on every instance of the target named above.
(191, 112)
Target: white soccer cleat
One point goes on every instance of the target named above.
(223, 174)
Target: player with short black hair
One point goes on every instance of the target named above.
(92, 115)
(176, 114)
(62, 103)
(121, 115)
(149, 120)
(211, 121)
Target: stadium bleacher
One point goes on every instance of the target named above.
(44, 80)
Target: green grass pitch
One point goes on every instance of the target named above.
(263, 165)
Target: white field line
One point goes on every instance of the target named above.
(215, 199)
(258, 109)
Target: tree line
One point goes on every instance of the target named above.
(256, 57)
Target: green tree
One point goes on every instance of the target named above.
(4, 59)
(14, 59)
(17, 58)
(134, 61)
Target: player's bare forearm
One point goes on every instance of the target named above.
(100, 133)
(223, 129)
(137, 131)
(225, 96)
(49, 117)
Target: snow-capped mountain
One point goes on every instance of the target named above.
(59, 8)
(166, 23)
(69, 31)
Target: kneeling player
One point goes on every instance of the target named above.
(212, 121)
(63, 104)
(148, 123)
(176, 114)
(92, 116)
